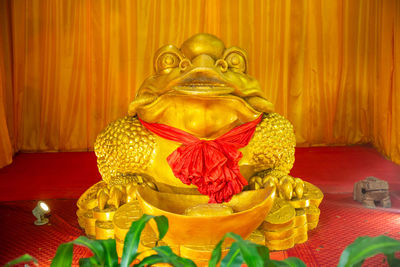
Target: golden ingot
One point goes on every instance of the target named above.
(250, 207)
(208, 210)
(124, 217)
(106, 214)
(104, 229)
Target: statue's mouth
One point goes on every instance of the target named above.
(203, 88)
(200, 83)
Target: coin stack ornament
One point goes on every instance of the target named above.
(203, 146)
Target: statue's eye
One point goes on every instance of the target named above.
(167, 61)
(236, 59)
(167, 58)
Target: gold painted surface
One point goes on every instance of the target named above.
(104, 229)
(301, 234)
(89, 223)
(88, 200)
(313, 213)
(200, 253)
(204, 91)
(312, 225)
(257, 237)
(124, 217)
(280, 244)
(208, 210)
(313, 193)
(286, 233)
(301, 218)
(199, 231)
(81, 220)
(105, 214)
(279, 235)
(281, 212)
(202, 88)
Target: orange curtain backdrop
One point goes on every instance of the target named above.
(70, 67)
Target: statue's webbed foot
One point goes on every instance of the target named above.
(286, 185)
(119, 191)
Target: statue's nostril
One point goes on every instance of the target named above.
(222, 64)
(184, 64)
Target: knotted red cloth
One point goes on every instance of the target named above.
(211, 165)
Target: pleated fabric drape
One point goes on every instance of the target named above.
(68, 68)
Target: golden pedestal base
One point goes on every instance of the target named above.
(287, 224)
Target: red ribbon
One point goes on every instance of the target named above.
(211, 165)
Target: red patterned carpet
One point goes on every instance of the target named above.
(62, 177)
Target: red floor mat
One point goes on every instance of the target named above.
(68, 175)
(342, 221)
(19, 235)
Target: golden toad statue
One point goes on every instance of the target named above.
(200, 127)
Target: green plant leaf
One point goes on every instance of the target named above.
(110, 252)
(21, 259)
(289, 262)
(88, 262)
(365, 247)
(132, 238)
(392, 260)
(150, 260)
(263, 251)
(63, 257)
(249, 251)
(94, 245)
(216, 254)
(170, 257)
(233, 258)
(252, 254)
(165, 255)
(162, 225)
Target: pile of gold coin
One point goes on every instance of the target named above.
(289, 221)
